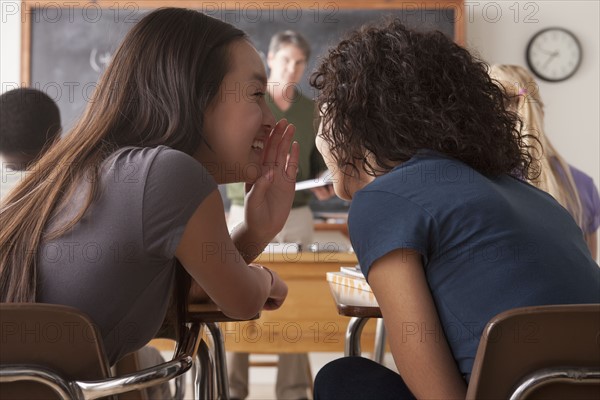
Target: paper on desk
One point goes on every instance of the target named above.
(352, 271)
(350, 281)
(323, 180)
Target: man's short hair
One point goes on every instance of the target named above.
(289, 37)
(29, 119)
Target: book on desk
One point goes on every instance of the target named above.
(350, 276)
(354, 271)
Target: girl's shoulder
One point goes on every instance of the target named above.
(159, 159)
(155, 167)
(582, 180)
(144, 155)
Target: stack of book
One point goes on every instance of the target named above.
(349, 276)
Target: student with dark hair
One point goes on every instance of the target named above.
(123, 212)
(446, 229)
(29, 124)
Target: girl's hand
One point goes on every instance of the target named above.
(278, 293)
(269, 200)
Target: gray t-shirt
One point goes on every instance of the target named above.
(117, 263)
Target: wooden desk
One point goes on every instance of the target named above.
(360, 306)
(308, 320)
(208, 312)
(352, 302)
(325, 226)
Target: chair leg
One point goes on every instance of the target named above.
(220, 361)
(310, 376)
(353, 332)
(379, 346)
(179, 387)
(203, 374)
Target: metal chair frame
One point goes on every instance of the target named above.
(89, 390)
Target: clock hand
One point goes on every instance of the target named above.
(544, 51)
(552, 56)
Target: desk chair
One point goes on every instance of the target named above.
(51, 351)
(547, 352)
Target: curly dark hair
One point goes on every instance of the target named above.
(388, 92)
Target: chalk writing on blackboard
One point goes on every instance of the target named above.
(99, 61)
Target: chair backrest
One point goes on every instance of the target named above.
(522, 341)
(58, 338)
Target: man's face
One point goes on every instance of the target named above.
(286, 65)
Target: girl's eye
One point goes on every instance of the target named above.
(259, 94)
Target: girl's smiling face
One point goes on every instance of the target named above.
(238, 122)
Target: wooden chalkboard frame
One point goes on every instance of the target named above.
(27, 7)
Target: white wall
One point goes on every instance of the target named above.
(572, 121)
(572, 107)
(10, 44)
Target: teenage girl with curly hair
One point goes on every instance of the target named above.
(446, 229)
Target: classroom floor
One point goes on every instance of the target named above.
(262, 379)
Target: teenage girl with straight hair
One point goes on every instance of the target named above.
(125, 209)
(572, 188)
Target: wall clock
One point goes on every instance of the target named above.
(554, 54)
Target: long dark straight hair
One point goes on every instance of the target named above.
(161, 79)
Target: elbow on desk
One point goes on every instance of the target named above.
(243, 313)
(246, 307)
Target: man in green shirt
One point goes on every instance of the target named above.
(288, 55)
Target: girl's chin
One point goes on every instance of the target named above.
(342, 192)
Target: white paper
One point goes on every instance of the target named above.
(323, 180)
(352, 271)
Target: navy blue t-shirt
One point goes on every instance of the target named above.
(487, 244)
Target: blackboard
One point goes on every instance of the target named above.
(67, 48)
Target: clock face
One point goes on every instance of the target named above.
(554, 54)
